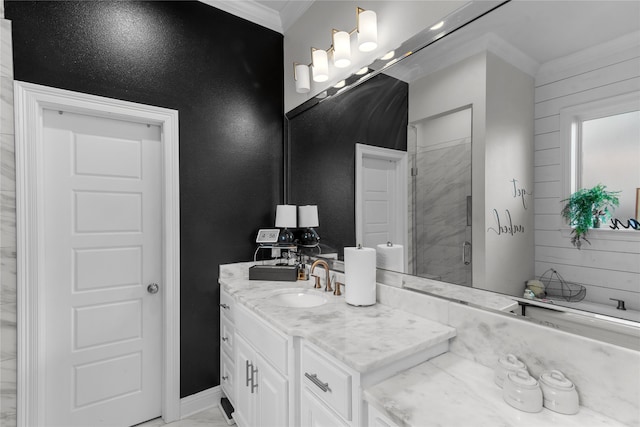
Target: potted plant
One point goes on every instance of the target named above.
(587, 208)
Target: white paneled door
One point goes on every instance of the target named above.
(102, 270)
(379, 202)
(381, 197)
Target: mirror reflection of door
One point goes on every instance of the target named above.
(440, 149)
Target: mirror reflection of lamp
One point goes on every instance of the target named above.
(285, 218)
(307, 219)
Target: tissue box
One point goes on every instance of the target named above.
(286, 273)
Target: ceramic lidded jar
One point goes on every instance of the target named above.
(506, 364)
(522, 391)
(560, 394)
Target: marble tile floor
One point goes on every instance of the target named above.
(211, 417)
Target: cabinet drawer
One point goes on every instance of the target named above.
(266, 340)
(226, 304)
(314, 413)
(328, 381)
(227, 377)
(226, 335)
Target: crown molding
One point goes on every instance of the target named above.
(292, 11)
(251, 11)
(445, 55)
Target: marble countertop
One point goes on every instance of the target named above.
(452, 391)
(364, 338)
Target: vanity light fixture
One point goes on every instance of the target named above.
(340, 50)
(301, 77)
(319, 65)
(367, 30)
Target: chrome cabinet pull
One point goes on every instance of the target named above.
(314, 379)
(224, 378)
(225, 339)
(225, 306)
(153, 288)
(248, 366)
(254, 382)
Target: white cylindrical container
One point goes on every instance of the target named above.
(559, 393)
(522, 391)
(360, 276)
(390, 257)
(506, 364)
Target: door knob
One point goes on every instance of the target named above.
(153, 288)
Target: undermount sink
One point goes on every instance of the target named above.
(297, 298)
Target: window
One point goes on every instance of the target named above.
(604, 149)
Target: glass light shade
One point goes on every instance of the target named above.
(286, 216)
(341, 49)
(320, 65)
(308, 216)
(367, 31)
(301, 76)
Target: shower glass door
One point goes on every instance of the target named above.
(440, 149)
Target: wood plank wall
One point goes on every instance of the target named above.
(610, 266)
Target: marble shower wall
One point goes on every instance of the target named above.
(8, 331)
(442, 186)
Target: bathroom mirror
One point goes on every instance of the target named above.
(535, 60)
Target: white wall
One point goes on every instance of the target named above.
(397, 22)
(610, 266)
(508, 177)
(501, 97)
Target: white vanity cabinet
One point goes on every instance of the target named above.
(227, 353)
(261, 387)
(329, 391)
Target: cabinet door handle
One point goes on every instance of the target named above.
(314, 379)
(224, 378)
(254, 380)
(225, 339)
(225, 306)
(248, 366)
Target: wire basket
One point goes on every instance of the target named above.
(557, 287)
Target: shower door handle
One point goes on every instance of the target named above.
(466, 253)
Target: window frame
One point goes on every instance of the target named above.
(571, 119)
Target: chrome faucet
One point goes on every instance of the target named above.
(322, 263)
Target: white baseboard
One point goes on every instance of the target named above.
(200, 401)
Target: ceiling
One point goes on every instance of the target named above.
(530, 33)
(277, 15)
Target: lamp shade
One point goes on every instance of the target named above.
(301, 76)
(367, 30)
(320, 65)
(308, 216)
(286, 216)
(341, 49)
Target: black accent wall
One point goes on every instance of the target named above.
(225, 77)
(322, 150)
